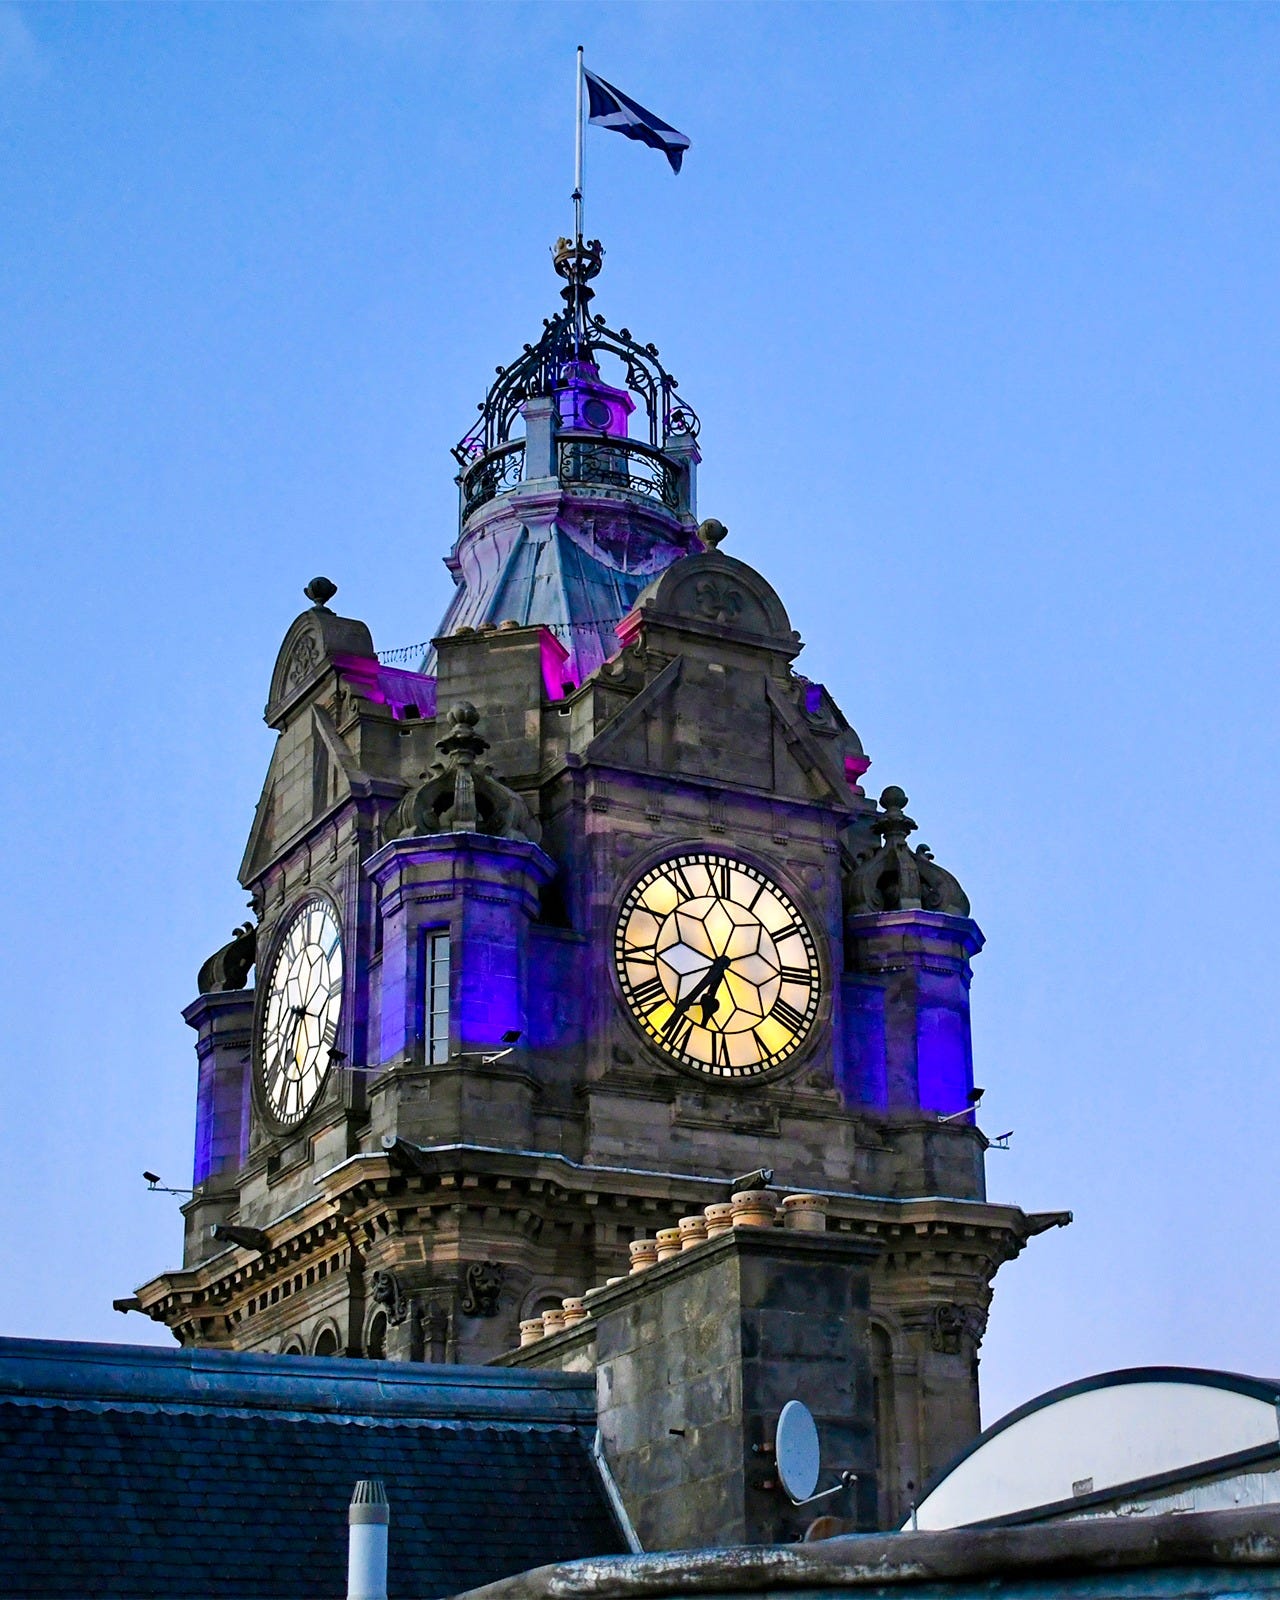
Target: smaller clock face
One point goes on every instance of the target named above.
(717, 965)
(300, 1022)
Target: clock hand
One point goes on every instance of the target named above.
(299, 1022)
(709, 980)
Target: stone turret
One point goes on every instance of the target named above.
(909, 938)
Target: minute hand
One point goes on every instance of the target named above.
(710, 980)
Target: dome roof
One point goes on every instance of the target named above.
(1097, 1440)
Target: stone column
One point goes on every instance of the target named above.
(224, 1029)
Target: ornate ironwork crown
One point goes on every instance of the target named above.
(571, 340)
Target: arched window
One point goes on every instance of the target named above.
(375, 1345)
(293, 1348)
(326, 1343)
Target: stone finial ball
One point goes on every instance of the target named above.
(712, 533)
(321, 590)
(464, 715)
(893, 798)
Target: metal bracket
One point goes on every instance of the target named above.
(847, 1481)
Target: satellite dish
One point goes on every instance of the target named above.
(796, 1450)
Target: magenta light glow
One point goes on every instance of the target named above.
(407, 693)
(558, 676)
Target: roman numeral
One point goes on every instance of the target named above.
(720, 1052)
(682, 883)
(722, 874)
(795, 975)
(788, 1016)
(677, 1035)
(330, 1032)
(648, 993)
(751, 904)
(789, 932)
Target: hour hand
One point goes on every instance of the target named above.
(709, 982)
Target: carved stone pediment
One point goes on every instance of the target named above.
(313, 640)
(714, 593)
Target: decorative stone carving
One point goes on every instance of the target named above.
(710, 592)
(718, 601)
(302, 661)
(459, 794)
(388, 1293)
(897, 878)
(228, 969)
(953, 1325)
(481, 1286)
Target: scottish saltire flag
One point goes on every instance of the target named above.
(610, 108)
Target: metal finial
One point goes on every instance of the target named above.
(321, 591)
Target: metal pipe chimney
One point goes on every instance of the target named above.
(368, 1519)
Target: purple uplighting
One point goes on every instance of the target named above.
(407, 693)
(558, 676)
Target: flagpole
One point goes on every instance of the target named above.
(577, 157)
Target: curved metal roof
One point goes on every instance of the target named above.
(1085, 1442)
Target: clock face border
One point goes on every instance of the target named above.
(313, 896)
(815, 1031)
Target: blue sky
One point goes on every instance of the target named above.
(978, 307)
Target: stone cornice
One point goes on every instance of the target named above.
(365, 1197)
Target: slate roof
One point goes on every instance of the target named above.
(548, 578)
(208, 1475)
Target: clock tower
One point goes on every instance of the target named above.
(561, 933)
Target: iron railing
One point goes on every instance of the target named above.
(619, 464)
(491, 475)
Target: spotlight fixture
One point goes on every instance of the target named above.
(511, 1038)
(154, 1185)
(761, 1178)
(975, 1095)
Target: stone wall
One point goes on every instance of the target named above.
(694, 1360)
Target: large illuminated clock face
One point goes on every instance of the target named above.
(300, 1018)
(717, 966)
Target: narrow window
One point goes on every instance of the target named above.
(437, 998)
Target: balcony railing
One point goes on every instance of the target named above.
(492, 475)
(583, 459)
(619, 464)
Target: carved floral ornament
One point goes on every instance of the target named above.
(718, 601)
(303, 661)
